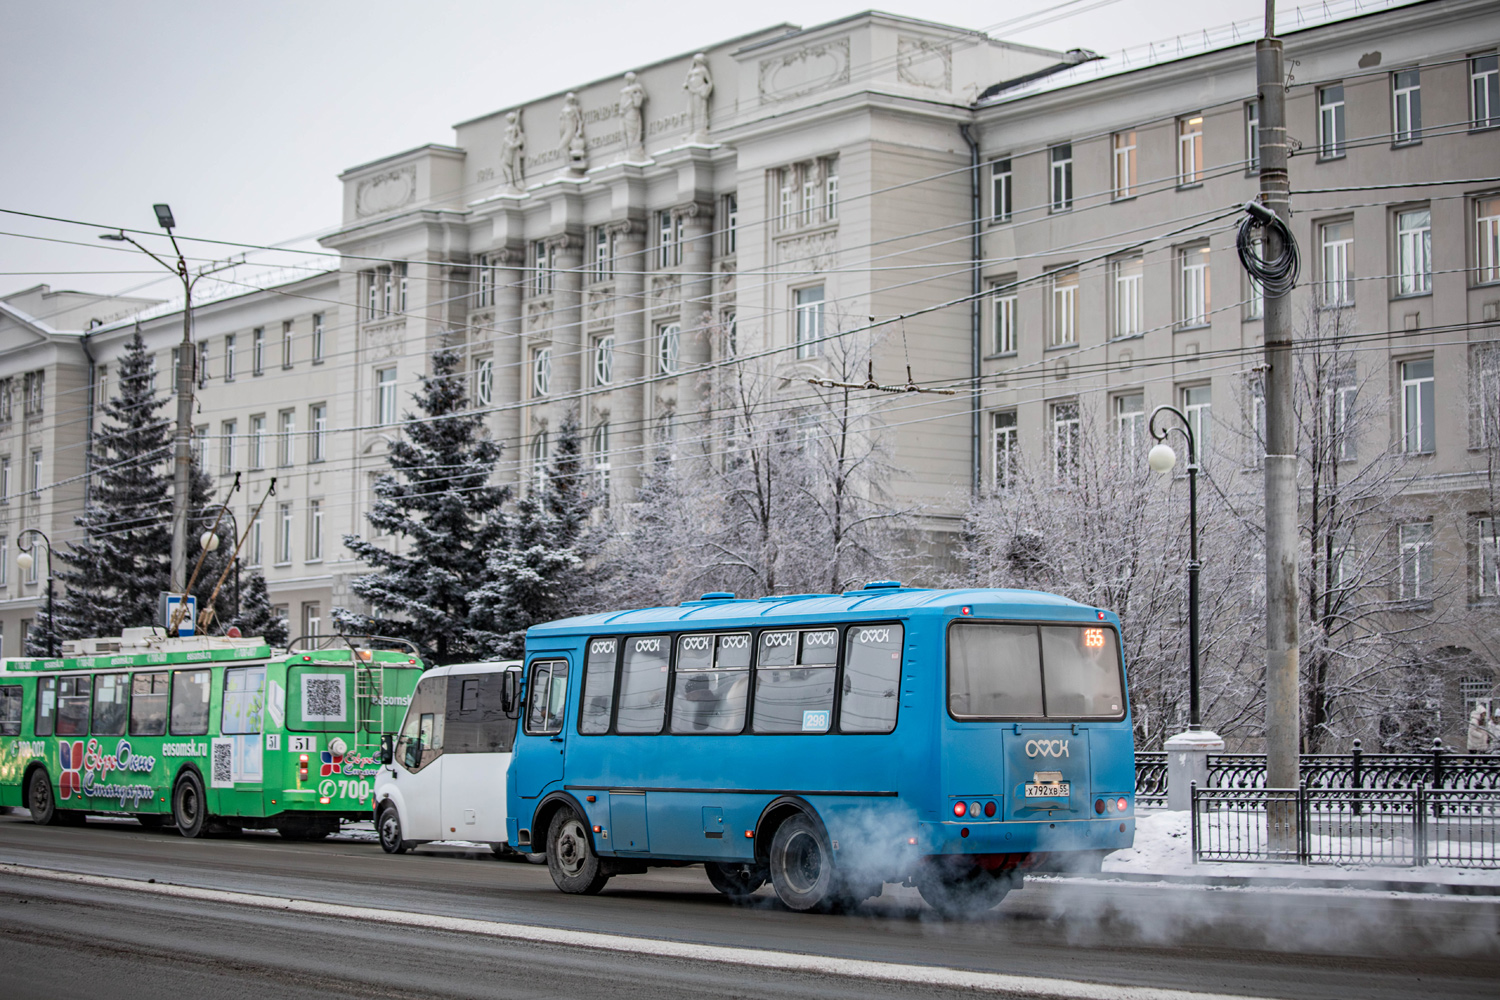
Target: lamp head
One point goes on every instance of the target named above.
(164, 216)
(1161, 458)
(210, 541)
(25, 561)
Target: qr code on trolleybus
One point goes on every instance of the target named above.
(323, 698)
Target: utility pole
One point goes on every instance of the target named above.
(1282, 672)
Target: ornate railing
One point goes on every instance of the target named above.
(1150, 778)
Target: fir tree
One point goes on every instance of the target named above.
(111, 578)
(538, 575)
(256, 616)
(438, 498)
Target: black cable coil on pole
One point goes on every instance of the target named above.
(1275, 277)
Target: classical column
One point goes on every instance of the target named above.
(509, 280)
(566, 322)
(627, 409)
(697, 292)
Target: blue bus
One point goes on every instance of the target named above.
(828, 744)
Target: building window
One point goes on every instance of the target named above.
(600, 448)
(372, 294)
(1484, 90)
(1129, 279)
(1063, 329)
(541, 371)
(1061, 183)
(1331, 121)
(1343, 420)
(1489, 557)
(1252, 135)
(226, 446)
(36, 472)
(1197, 406)
(1487, 240)
(484, 281)
(1414, 252)
(1189, 150)
(36, 392)
(401, 287)
(1007, 447)
(1130, 425)
(317, 338)
(286, 344)
(1000, 190)
(1417, 402)
(288, 439)
(668, 348)
(601, 255)
(317, 442)
(669, 235)
(283, 533)
(385, 396)
(200, 447)
(203, 364)
(1196, 303)
(258, 351)
(807, 304)
(729, 237)
(1406, 107)
(229, 358)
(312, 619)
(1337, 288)
(484, 382)
(5, 479)
(1004, 301)
(809, 196)
(254, 550)
(4, 570)
(541, 268)
(786, 196)
(1066, 430)
(540, 453)
(1124, 164)
(604, 359)
(258, 442)
(1416, 561)
(830, 188)
(7, 399)
(729, 322)
(314, 530)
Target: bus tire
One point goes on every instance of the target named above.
(801, 866)
(737, 881)
(39, 798)
(189, 805)
(389, 830)
(536, 858)
(570, 855)
(965, 892)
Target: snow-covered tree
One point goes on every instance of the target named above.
(445, 513)
(256, 615)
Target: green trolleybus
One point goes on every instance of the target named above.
(204, 732)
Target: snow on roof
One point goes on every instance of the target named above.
(241, 279)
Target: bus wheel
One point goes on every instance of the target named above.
(189, 808)
(39, 798)
(962, 893)
(802, 866)
(389, 829)
(536, 857)
(737, 881)
(570, 855)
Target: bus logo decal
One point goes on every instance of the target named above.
(822, 638)
(775, 639)
(815, 721)
(70, 755)
(332, 763)
(739, 641)
(875, 635)
(1047, 748)
(652, 645)
(601, 646)
(696, 643)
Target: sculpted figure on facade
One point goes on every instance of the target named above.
(570, 132)
(513, 153)
(700, 87)
(632, 103)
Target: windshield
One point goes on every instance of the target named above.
(1034, 671)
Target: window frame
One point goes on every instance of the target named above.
(1190, 150)
(1486, 240)
(1194, 287)
(1335, 265)
(1331, 117)
(1412, 92)
(1060, 177)
(808, 319)
(669, 348)
(1413, 242)
(1002, 190)
(1418, 555)
(1429, 403)
(1123, 154)
(1063, 286)
(1134, 280)
(1489, 80)
(1005, 457)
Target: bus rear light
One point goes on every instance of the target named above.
(911, 841)
(598, 828)
(1099, 806)
(1120, 805)
(974, 808)
(749, 834)
(989, 808)
(306, 659)
(959, 808)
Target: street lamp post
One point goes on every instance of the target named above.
(1187, 755)
(25, 560)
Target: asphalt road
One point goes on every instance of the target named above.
(61, 939)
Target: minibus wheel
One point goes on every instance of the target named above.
(963, 893)
(801, 866)
(189, 807)
(389, 829)
(737, 881)
(39, 798)
(570, 855)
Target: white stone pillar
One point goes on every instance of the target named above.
(1187, 762)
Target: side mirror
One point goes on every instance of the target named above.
(387, 748)
(510, 694)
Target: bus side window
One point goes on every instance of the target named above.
(244, 701)
(713, 682)
(10, 710)
(548, 696)
(872, 679)
(794, 679)
(148, 704)
(643, 684)
(190, 702)
(74, 696)
(46, 706)
(598, 686)
(421, 739)
(111, 702)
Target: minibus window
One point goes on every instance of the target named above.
(148, 704)
(713, 683)
(643, 684)
(1082, 670)
(73, 706)
(792, 695)
(476, 719)
(598, 686)
(111, 695)
(872, 678)
(421, 739)
(46, 705)
(190, 702)
(994, 671)
(10, 710)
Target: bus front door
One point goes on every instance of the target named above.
(538, 760)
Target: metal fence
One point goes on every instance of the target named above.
(1306, 825)
(1150, 778)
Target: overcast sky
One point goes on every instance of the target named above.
(242, 115)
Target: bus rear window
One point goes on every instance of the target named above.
(10, 710)
(317, 697)
(148, 704)
(74, 695)
(1028, 671)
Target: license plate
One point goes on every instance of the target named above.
(1048, 791)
